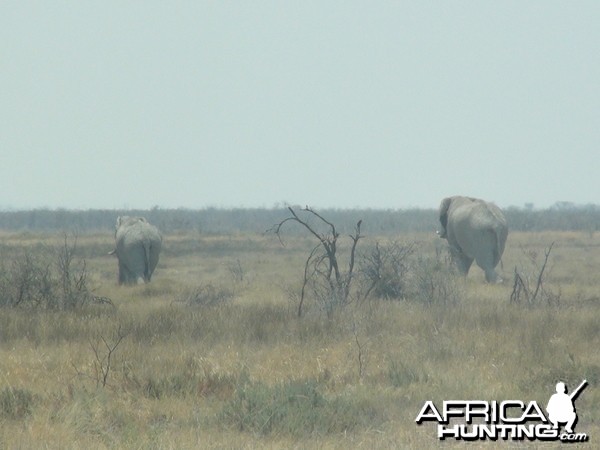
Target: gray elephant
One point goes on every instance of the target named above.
(138, 245)
(475, 230)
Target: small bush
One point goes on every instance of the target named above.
(529, 286)
(16, 403)
(435, 282)
(296, 408)
(193, 380)
(290, 407)
(385, 269)
(46, 280)
(401, 375)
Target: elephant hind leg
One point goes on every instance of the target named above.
(491, 276)
(122, 274)
(488, 265)
(463, 262)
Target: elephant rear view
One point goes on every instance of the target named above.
(138, 245)
(475, 230)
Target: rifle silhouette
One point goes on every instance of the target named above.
(577, 390)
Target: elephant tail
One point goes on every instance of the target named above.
(501, 233)
(147, 245)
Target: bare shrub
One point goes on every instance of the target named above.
(237, 272)
(323, 277)
(239, 276)
(435, 282)
(47, 280)
(27, 282)
(104, 350)
(72, 275)
(396, 271)
(529, 285)
(104, 356)
(385, 270)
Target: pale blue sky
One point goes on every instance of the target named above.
(343, 104)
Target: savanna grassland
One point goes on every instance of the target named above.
(212, 354)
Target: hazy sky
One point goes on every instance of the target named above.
(380, 104)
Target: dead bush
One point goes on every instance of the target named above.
(529, 285)
(46, 279)
(434, 281)
(385, 270)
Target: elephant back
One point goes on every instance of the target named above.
(136, 230)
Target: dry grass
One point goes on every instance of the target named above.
(245, 372)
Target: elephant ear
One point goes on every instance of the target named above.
(444, 206)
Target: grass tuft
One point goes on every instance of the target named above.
(16, 403)
(296, 408)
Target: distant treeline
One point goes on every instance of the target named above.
(560, 217)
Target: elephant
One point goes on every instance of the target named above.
(138, 245)
(475, 230)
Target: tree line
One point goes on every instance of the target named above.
(560, 217)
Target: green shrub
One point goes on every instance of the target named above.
(187, 383)
(16, 403)
(295, 408)
(401, 375)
